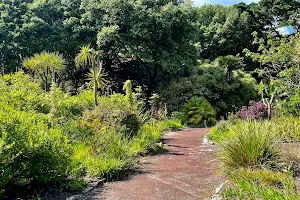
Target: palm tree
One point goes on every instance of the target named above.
(88, 57)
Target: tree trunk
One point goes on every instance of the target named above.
(230, 75)
(152, 81)
(269, 110)
(95, 92)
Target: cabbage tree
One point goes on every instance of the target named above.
(45, 65)
(90, 58)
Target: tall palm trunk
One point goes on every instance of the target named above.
(95, 92)
(95, 86)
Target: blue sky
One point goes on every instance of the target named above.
(223, 2)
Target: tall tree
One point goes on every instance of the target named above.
(157, 36)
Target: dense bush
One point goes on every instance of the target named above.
(31, 150)
(284, 128)
(210, 82)
(46, 137)
(115, 110)
(256, 111)
(108, 155)
(21, 92)
(198, 112)
(74, 106)
(221, 130)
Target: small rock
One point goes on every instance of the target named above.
(206, 141)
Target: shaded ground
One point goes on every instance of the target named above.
(186, 171)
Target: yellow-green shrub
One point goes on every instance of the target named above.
(21, 92)
(30, 149)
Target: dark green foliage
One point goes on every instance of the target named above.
(211, 82)
(226, 30)
(198, 112)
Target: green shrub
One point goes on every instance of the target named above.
(221, 130)
(264, 177)
(284, 128)
(74, 106)
(21, 92)
(249, 189)
(30, 151)
(109, 155)
(250, 145)
(105, 154)
(77, 184)
(115, 110)
(287, 128)
(198, 112)
(290, 106)
(147, 138)
(172, 125)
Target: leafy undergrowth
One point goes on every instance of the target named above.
(52, 140)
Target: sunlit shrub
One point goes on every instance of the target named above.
(264, 177)
(114, 110)
(171, 125)
(221, 130)
(250, 189)
(31, 151)
(21, 92)
(74, 106)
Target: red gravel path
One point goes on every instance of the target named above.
(187, 171)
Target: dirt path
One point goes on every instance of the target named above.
(186, 171)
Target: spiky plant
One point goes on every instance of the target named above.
(45, 65)
(88, 57)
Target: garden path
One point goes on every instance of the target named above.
(186, 171)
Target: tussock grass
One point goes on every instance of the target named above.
(250, 145)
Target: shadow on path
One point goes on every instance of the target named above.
(187, 170)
